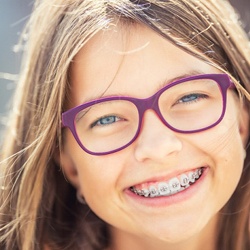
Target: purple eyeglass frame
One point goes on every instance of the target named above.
(68, 117)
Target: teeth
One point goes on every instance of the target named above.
(170, 187)
(153, 191)
(163, 188)
(145, 192)
(174, 185)
(184, 180)
(191, 177)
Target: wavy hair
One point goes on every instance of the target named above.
(38, 206)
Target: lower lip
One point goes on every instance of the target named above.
(182, 196)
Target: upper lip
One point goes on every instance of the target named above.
(164, 177)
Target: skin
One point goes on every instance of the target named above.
(137, 62)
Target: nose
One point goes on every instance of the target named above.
(155, 142)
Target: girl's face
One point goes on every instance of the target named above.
(137, 62)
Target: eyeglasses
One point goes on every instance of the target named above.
(189, 105)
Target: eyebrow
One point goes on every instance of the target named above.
(171, 80)
(160, 86)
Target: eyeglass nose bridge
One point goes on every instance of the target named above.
(150, 103)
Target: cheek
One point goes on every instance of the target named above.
(225, 140)
(223, 145)
(98, 176)
(99, 183)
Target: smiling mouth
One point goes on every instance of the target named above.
(170, 187)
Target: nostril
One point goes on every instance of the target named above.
(154, 152)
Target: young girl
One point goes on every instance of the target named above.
(130, 129)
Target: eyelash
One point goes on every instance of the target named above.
(196, 99)
(113, 118)
(94, 124)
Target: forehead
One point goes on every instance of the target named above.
(121, 59)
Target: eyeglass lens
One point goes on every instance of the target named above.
(187, 106)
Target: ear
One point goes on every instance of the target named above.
(244, 123)
(70, 172)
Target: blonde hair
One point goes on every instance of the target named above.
(38, 206)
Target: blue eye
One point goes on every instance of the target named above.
(107, 120)
(191, 98)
